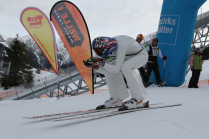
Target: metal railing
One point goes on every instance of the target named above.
(41, 82)
(147, 40)
(202, 20)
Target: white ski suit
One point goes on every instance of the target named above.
(129, 66)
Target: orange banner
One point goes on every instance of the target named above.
(39, 27)
(73, 31)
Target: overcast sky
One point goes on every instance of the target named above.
(103, 17)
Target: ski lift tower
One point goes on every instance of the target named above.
(5, 67)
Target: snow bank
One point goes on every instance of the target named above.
(189, 121)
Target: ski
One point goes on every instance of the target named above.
(76, 113)
(71, 113)
(116, 112)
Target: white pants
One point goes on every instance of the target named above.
(129, 68)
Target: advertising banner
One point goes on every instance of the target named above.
(175, 33)
(73, 31)
(39, 27)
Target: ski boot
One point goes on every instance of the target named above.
(131, 104)
(146, 104)
(196, 86)
(112, 102)
(161, 84)
(148, 84)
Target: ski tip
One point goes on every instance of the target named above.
(178, 104)
(27, 117)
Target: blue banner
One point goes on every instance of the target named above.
(168, 28)
(175, 33)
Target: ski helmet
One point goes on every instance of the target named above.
(103, 46)
(139, 37)
(197, 49)
(155, 39)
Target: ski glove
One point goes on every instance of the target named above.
(94, 63)
(165, 57)
(192, 68)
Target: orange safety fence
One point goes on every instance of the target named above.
(200, 83)
(60, 93)
(4, 94)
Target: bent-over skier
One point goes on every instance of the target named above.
(129, 57)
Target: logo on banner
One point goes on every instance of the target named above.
(35, 22)
(168, 29)
(68, 26)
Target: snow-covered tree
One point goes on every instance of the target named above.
(20, 70)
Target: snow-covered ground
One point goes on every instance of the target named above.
(37, 78)
(43, 74)
(189, 121)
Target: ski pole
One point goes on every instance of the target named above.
(188, 71)
(164, 69)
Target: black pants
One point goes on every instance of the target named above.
(155, 68)
(143, 75)
(194, 79)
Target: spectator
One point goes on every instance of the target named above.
(143, 74)
(153, 52)
(196, 62)
(139, 39)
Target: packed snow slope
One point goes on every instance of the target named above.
(189, 121)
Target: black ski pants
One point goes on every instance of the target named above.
(194, 79)
(153, 66)
(143, 75)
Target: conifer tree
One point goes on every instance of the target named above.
(20, 70)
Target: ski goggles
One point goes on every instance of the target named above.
(98, 51)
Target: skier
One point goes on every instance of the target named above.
(129, 56)
(154, 51)
(196, 62)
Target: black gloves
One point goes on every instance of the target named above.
(192, 68)
(94, 63)
(165, 57)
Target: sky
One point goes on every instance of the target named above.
(103, 17)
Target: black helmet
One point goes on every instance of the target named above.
(155, 39)
(197, 49)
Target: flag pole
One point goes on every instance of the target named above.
(58, 80)
(57, 72)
